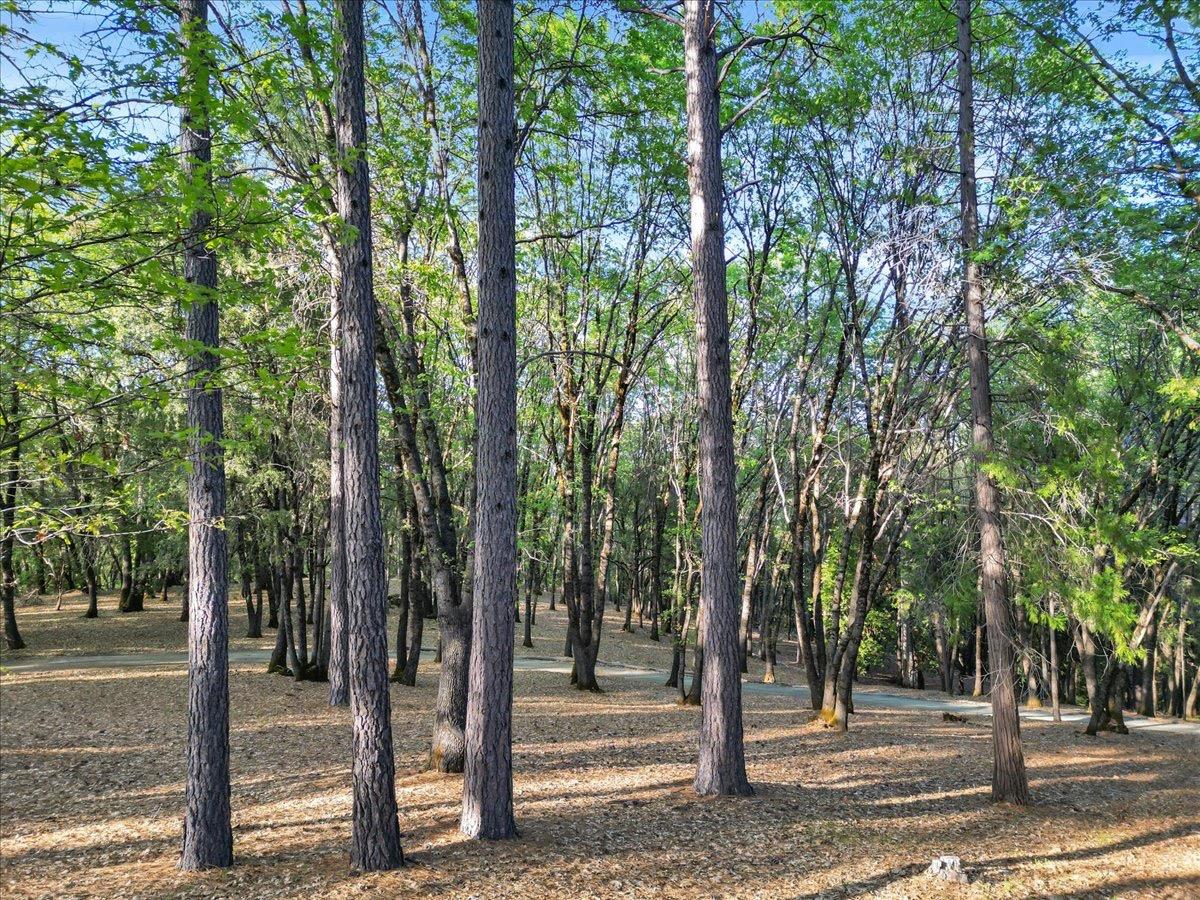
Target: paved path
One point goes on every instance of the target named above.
(864, 697)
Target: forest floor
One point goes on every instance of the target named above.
(91, 788)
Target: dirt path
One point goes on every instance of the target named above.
(865, 696)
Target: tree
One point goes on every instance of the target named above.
(1008, 772)
(207, 831)
(375, 839)
(487, 775)
(722, 766)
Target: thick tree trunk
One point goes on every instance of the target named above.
(446, 753)
(721, 768)
(487, 810)
(375, 832)
(1008, 773)
(207, 830)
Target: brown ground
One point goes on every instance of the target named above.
(91, 792)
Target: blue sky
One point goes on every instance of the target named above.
(68, 23)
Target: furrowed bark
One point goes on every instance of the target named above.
(375, 830)
(1008, 773)
(207, 830)
(487, 774)
(721, 768)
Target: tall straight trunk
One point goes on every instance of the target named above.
(207, 830)
(1008, 772)
(8, 577)
(487, 810)
(721, 768)
(339, 646)
(375, 831)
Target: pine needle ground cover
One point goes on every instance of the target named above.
(91, 769)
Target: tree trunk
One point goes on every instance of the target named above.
(339, 646)
(1191, 707)
(1052, 641)
(91, 579)
(977, 690)
(487, 810)
(1085, 645)
(406, 606)
(1145, 693)
(754, 539)
(207, 830)
(1179, 663)
(721, 768)
(450, 707)
(375, 834)
(416, 630)
(1008, 772)
(8, 577)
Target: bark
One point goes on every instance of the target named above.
(845, 660)
(754, 540)
(207, 829)
(1179, 663)
(8, 577)
(339, 646)
(487, 810)
(721, 768)
(1191, 707)
(446, 752)
(253, 613)
(375, 830)
(1008, 772)
(406, 606)
(1145, 698)
(977, 690)
(438, 536)
(1052, 641)
(92, 581)
(416, 630)
(656, 554)
(1085, 645)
